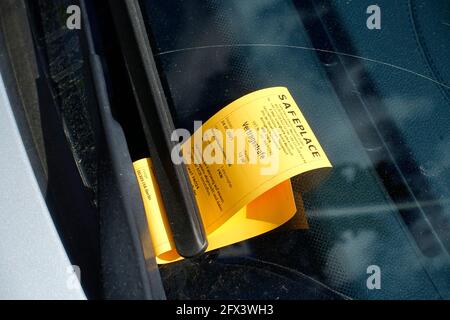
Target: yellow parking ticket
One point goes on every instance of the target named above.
(240, 163)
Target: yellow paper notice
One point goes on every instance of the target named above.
(240, 163)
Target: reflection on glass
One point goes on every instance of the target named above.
(381, 112)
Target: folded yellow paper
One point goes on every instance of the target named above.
(240, 163)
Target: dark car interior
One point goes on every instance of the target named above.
(379, 101)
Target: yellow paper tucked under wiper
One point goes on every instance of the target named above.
(240, 163)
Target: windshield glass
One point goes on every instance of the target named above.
(378, 99)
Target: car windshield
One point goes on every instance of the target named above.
(376, 93)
